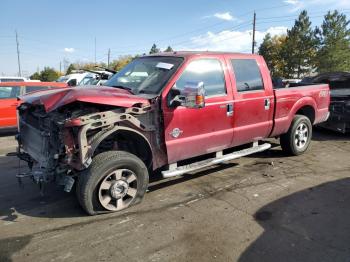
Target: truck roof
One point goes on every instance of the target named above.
(200, 53)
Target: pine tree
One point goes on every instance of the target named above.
(334, 39)
(299, 51)
(70, 68)
(169, 49)
(154, 49)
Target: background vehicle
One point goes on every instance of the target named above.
(72, 79)
(9, 91)
(12, 79)
(339, 82)
(160, 112)
(95, 78)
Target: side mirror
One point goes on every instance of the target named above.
(194, 93)
(193, 96)
(72, 82)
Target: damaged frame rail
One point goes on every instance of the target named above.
(109, 122)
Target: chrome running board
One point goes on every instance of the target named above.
(174, 170)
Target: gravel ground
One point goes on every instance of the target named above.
(267, 207)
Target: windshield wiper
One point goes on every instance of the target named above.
(125, 88)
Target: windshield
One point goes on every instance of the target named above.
(86, 80)
(146, 74)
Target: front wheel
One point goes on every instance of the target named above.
(297, 140)
(114, 181)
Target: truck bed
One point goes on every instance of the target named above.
(288, 101)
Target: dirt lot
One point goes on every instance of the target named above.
(267, 207)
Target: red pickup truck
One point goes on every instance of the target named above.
(161, 112)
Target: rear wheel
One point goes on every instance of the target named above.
(297, 140)
(114, 181)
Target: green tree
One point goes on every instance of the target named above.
(49, 74)
(121, 62)
(299, 50)
(154, 49)
(70, 68)
(169, 49)
(271, 49)
(334, 40)
(35, 76)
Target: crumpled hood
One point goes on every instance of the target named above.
(55, 98)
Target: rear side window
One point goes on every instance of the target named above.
(9, 92)
(247, 74)
(35, 88)
(208, 71)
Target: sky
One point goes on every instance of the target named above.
(54, 32)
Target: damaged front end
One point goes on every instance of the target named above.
(58, 145)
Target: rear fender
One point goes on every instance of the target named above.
(282, 124)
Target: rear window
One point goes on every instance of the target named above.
(9, 92)
(11, 80)
(247, 74)
(36, 88)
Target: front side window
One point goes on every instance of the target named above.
(208, 71)
(247, 74)
(9, 92)
(145, 75)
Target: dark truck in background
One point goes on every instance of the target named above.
(339, 83)
(161, 112)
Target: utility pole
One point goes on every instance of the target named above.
(60, 67)
(19, 61)
(253, 43)
(95, 50)
(109, 57)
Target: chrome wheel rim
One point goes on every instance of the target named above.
(118, 189)
(301, 136)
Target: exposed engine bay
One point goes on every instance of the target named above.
(59, 144)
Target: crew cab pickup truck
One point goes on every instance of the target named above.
(161, 112)
(9, 91)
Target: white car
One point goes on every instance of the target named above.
(72, 79)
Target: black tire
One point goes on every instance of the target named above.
(89, 187)
(289, 140)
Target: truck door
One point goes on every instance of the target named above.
(253, 98)
(194, 132)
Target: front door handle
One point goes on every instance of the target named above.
(267, 103)
(230, 109)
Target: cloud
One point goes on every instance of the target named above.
(224, 16)
(297, 5)
(231, 41)
(69, 49)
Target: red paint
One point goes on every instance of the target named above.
(8, 115)
(53, 99)
(209, 129)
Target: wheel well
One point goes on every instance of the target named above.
(307, 111)
(128, 141)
